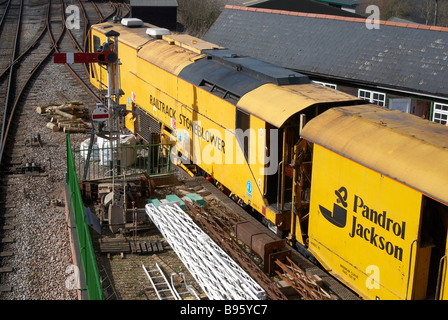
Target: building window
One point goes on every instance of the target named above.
(326, 84)
(440, 113)
(374, 97)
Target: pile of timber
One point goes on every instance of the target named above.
(147, 246)
(115, 245)
(122, 245)
(67, 117)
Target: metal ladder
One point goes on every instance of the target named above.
(189, 290)
(107, 285)
(160, 284)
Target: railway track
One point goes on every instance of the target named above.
(30, 169)
(8, 26)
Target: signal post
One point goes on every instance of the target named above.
(111, 109)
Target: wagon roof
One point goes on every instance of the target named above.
(404, 147)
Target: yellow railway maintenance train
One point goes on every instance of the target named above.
(361, 188)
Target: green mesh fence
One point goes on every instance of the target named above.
(100, 163)
(93, 283)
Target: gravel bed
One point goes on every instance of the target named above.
(42, 261)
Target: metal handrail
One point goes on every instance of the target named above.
(409, 271)
(438, 277)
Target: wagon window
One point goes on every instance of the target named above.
(96, 43)
(243, 123)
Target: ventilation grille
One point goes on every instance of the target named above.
(146, 124)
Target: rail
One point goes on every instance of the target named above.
(9, 111)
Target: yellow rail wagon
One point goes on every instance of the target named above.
(379, 215)
(219, 107)
(330, 186)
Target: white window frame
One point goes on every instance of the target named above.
(440, 113)
(326, 84)
(375, 97)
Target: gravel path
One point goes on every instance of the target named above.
(42, 260)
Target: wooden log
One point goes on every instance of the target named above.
(82, 115)
(41, 110)
(52, 126)
(75, 130)
(65, 120)
(65, 114)
(88, 125)
(78, 107)
(76, 103)
(72, 108)
(54, 118)
(54, 107)
(61, 119)
(70, 125)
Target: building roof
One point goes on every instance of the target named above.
(403, 56)
(153, 3)
(351, 3)
(398, 145)
(309, 6)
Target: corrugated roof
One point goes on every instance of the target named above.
(410, 57)
(395, 144)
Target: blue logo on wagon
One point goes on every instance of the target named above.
(249, 188)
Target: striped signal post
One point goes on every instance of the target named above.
(113, 98)
(108, 57)
(103, 57)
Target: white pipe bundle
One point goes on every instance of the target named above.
(217, 274)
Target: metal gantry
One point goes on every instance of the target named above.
(217, 274)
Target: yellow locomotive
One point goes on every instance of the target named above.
(374, 210)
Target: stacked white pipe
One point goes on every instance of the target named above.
(218, 275)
